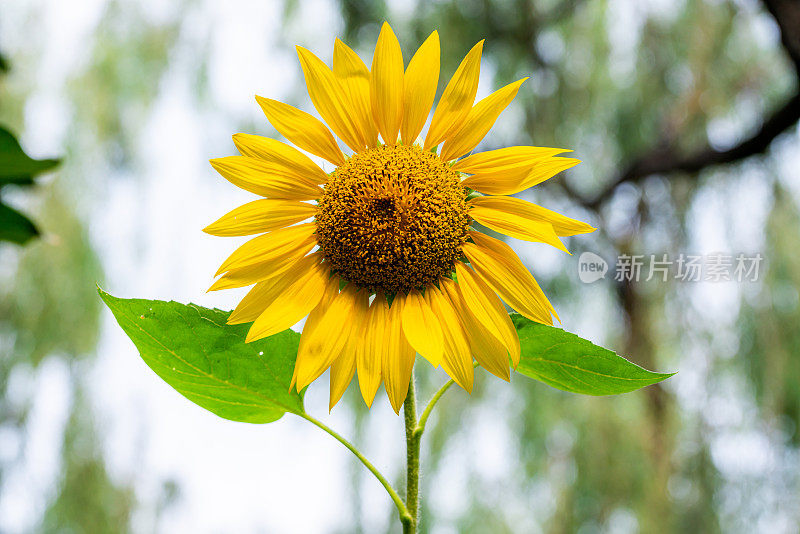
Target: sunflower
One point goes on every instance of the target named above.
(389, 265)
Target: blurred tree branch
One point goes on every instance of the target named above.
(787, 14)
(667, 158)
(526, 29)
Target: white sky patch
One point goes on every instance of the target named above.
(27, 488)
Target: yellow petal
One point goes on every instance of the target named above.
(398, 359)
(354, 77)
(302, 129)
(261, 216)
(329, 98)
(263, 294)
(480, 120)
(487, 309)
(292, 304)
(369, 360)
(502, 158)
(501, 269)
(488, 351)
(510, 180)
(343, 369)
(513, 225)
(386, 85)
(281, 154)
(419, 88)
(457, 99)
(325, 341)
(259, 272)
(265, 178)
(268, 246)
(457, 361)
(421, 327)
(331, 292)
(255, 302)
(563, 226)
(508, 177)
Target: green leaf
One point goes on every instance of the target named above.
(16, 167)
(15, 227)
(207, 361)
(571, 363)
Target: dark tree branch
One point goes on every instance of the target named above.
(669, 159)
(787, 15)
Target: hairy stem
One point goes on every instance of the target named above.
(398, 502)
(423, 419)
(413, 439)
(414, 430)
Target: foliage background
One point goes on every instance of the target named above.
(136, 96)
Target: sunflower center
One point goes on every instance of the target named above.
(392, 219)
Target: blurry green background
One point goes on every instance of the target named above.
(685, 116)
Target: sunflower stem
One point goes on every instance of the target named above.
(413, 439)
(423, 419)
(426, 413)
(405, 517)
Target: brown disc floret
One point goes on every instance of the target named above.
(392, 218)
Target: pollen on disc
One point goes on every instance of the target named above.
(393, 218)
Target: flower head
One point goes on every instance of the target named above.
(390, 266)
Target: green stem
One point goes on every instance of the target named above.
(405, 517)
(408, 511)
(423, 420)
(414, 430)
(412, 459)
